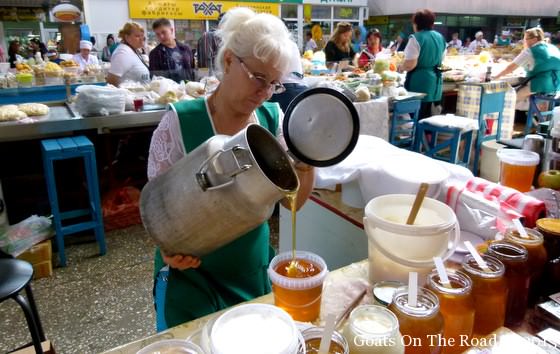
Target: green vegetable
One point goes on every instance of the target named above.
(380, 66)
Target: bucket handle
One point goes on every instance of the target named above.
(408, 263)
(202, 174)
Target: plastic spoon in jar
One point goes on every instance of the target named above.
(327, 334)
(412, 289)
(481, 263)
(520, 228)
(417, 203)
(443, 278)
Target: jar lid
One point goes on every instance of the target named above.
(321, 127)
(383, 291)
(549, 225)
(518, 157)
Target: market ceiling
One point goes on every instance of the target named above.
(24, 3)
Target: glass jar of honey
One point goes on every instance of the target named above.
(422, 325)
(537, 257)
(457, 308)
(312, 338)
(515, 258)
(550, 228)
(372, 329)
(489, 291)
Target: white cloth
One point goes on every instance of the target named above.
(374, 117)
(478, 43)
(452, 121)
(127, 65)
(311, 45)
(455, 43)
(167, 147)
(412, 49)
(294, 66)
(79, 59)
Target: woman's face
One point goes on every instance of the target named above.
(110, 41)
(346, 37)
(248, 82)
(135, 39)
(528, 42)
(373, 41)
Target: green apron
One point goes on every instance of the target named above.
(545, 76)
(503, 42)
(426, 76)
(237, 271)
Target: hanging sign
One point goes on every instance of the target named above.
(193, 10)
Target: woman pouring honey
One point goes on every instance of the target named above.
(252, 59)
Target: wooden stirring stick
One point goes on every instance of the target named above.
(417, 203)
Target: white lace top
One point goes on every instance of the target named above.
(166, 147)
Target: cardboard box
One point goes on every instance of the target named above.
(42, 270)
(39, 253)
(47, 345)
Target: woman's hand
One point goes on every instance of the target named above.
(181, 261)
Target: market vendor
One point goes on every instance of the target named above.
(254, 56)
(126, 61)
(503, 40)
(542, 63)
(422, 60)
(373, 40)
(84, 58)
(478, 43)
(339, 47)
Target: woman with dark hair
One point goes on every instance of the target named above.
(37, 46)
(13, 53)
(422, 60)
(373, 40)
(339, 46)
(109, 48)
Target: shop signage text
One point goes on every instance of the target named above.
(337, 2)
(192, 9)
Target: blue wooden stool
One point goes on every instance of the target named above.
(534, 111)
(68, 148)
(402, 131)
(443, 142)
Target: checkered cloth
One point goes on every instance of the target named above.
(468, 102)
(531, 208)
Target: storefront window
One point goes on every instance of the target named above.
(321, 12)
(350, 13)
(289, 11)
(189, 31)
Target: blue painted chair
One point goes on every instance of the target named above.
(490, 102)
(68, 148)
(402, 131)
(534, 111)
(444, 142)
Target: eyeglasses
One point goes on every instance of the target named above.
(261, 82)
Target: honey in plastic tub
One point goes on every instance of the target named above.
(299, 295)
(517, 168)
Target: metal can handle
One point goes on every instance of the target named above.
(202, 174)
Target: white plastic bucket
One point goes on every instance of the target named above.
(395, 249)
(489, 162)
(172, 346)
(255, 329)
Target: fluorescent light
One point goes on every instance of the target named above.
(438, 23)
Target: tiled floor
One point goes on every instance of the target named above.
(96, 303)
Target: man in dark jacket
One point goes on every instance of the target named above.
(170, 58)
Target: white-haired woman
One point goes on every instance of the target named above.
(252, 59)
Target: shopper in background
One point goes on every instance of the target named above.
(373, 40)
(478, 43)
(541, 61)
(422, 60)
(292, 80)
(503, 40)
(126, 61)
(13, 53)
(310, 43)
(53, 57)
(170, 58)
(109, 48)
(400, 43)
(254, 55)
(455, 42)
(339, 47)
(36, 46)
(359, 39)
(84, 58)
(467, 42)
(207, 48)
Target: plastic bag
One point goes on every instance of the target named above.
(20, 237)
(120, 208)
(100, 101)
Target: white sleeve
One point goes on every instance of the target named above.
(472, 46)
(119, 63)
(524, 59)
(166, 147)
(94, 60)
(412, 49)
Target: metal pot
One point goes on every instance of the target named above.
(236, 184)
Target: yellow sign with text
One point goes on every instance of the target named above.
(192, 10)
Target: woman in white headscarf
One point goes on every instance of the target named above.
(84, 58)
